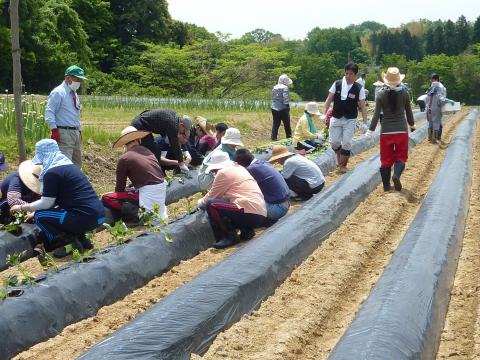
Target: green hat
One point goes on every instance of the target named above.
(76, 71)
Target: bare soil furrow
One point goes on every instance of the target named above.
(460, 336)
(310, 311)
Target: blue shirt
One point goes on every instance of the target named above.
(274, 188)
(72, 191)
(61, 108)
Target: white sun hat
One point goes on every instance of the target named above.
(219, 160)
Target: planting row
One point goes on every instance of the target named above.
(224, 293)
(110, 282)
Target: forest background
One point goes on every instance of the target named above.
(135, 48)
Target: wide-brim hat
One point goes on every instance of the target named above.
(279, 152)
(392, 77)
(219, 160)
(207, 128)
(128, 134)
(232, 137)
(312, 108)
(378, 83)
(29, 173)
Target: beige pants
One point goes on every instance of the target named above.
(70, 145)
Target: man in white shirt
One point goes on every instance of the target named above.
(347, 96)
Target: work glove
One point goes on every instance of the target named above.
(369, 133)
(55, 135)
(451, 102)
(323, 117)
(319, 135)
(201, 204)
(184, 168)
(363, 127)
(187, 157)
(412, 128)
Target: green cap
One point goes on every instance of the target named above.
(76, 71)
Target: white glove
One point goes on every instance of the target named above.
(364, 127)
(201, 204)
(319, 135)
(184, 168)
(187, 157)
(369, 133)
(323, 117)
(412, 128)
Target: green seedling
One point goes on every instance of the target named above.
(15, 260)
(77, 256)
(14, 227)
(10, 280)
(48, 262)
(119, 231)
(190, 206)
(154, 221)
(3, 293)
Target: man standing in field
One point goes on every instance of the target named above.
(63, 114)
(347, 96)
(436, 98)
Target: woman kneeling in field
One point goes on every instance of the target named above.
(69, 207)
(235, 201)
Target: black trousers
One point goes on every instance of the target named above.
(302, 188)
(278, 117)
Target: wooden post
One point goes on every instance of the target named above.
(17, 78)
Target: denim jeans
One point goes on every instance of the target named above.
(276, 211)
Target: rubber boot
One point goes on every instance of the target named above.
(398, 168)
(344, 156)
(337, 153)
(431, 139)
(438, 136)
(385, 173)
(230, 235)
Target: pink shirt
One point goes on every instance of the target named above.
(235, 184)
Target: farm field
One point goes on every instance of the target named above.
(311, 309)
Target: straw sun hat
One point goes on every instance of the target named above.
(129, 134)
(279, 152)
(392, 77)
(29, 173)
(207, 128)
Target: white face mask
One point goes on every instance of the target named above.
(74, 85)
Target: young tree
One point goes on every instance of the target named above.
(463, 31)
(476, 31)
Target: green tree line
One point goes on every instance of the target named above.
(136, 48)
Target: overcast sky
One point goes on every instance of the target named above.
(293, 19)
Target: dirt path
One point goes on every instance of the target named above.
(460, 337)
(77, 338)
(310, 311)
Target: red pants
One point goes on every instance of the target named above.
(393, 148)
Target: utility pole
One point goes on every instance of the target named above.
(17, 78)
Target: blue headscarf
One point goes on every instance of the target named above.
(48, 154)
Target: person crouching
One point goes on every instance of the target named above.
(274, 188)
(69, 206)
(303, 177)
(141, 166)
(235, 201)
